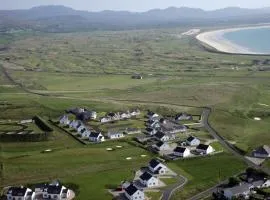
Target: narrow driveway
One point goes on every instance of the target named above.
(167, 193)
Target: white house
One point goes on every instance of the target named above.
(115, 135)
(157, 167)
(151, 131)
(105, 119)
(135, 112)
(133, 193)
(204, 149)
(124, 115)
(54, 191)
(154, 124)
(162, 137)
(193, 141)
(64, 120)
(74, 124)
(262, 152)
(96, 137)
(80, 127)
(20, 193)
(266, 184)
(148, 180)
(162, 146)
(181, 152)
(85, 133)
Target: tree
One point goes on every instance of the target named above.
(233, 181)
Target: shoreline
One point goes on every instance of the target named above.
(215, 40)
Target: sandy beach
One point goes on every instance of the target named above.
(216, 40)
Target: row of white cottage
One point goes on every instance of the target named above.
(54, 191)
(147, 179)
(82, 129)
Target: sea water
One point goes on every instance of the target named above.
(255, 40)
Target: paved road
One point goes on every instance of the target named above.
(205, 120)
(170, 191)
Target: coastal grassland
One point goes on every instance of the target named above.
(235, 119)
(204, 173)
(93, 70)
(161, 51)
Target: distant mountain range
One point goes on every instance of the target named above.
(64, 19)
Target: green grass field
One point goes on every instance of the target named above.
(93, 70)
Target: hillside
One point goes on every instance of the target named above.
(64, 19)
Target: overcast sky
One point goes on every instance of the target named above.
(133, 5)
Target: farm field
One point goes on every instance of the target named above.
(50, 73)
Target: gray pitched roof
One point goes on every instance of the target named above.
(179, 149)
(146, 176)
(17, 191)
(239, 189)
(153, 163)
(191, 138)
(202, 146)
(131, 189)
(263, 150)
(160, 135)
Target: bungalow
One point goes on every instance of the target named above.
(204, 149)
(64, 120)
(148, 180)
(80, 127)
(19, 193)
(151, 131)
(115, 134)
(162, 146)
(133, 193)
(131, 131)
(157, 167)
(183, 116)
(85, 133)
(262, 152)
(74, 124)
(161, 137)
(96, 137)
(193, 141)
(181, 152)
